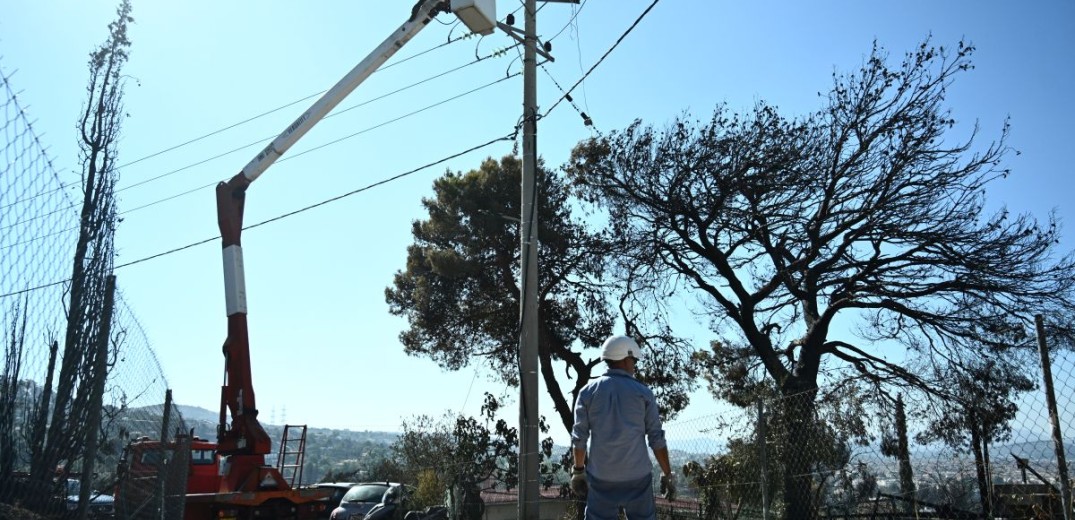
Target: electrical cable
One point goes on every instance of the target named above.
(586, 121)
(511, 137)
(211, 184)
(334, 142)
(215, 132)
(574, 15)
(508, 137)
(259, 142)
(253, 118)
(605, 55)
(469, 388)
(352, 107)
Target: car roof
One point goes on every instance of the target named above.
(334, 484)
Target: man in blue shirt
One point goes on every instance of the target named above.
(619, 414)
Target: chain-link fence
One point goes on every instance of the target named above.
(980, 452)
(64, 423)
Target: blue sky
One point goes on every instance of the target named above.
(324, 348)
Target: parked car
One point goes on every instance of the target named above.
(362, 497)
(101, 506)
(339, 489)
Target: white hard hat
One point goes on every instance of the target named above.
(619, 347)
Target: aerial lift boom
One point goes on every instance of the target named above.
(244, 441)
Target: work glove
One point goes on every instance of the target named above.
(578, 482)
(668, 486)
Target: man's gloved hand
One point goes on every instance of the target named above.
(668, 486)
(578, 482)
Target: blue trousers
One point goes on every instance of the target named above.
(604, 500)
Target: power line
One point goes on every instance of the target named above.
(215, 132)
(253, 118)
(336, 198)
(337, 141)
(453, 98)
(585, 118)
(605, 55)
(494, 54)
(358, 105)
(571, 20)
(508, 137)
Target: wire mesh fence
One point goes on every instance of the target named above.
(980, 458)
(66, 414)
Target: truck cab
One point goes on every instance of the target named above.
(145, 459)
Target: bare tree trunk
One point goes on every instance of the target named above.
(39, 486)
(979, 467)
(799, 411)
(988, 471)
(9, 391)
(64, 427)
(763, 458)
(907, 487)
(96, 400)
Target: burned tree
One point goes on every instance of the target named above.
(78, 367)
(866, 210)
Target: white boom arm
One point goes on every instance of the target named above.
(245, 437)
(424, 12)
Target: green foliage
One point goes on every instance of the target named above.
(464, 453)
(455, 457)
(390, 470)
(720, 480)
(979, 412)
(982, 404)
(733, 375)
(460, 296)
(429, 491)
(852, 492)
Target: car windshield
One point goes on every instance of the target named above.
(202, 457)
(154, 457)
(365, 493)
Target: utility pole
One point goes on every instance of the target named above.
(529, 334)
(529, 493)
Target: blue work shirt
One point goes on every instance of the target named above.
(620, 414)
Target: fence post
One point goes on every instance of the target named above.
(162, 473)
(1054, 418)
(763, 456)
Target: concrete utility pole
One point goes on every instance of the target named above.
(529, 493)
(529, 334)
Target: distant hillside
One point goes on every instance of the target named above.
(198, 418)
(195, 413)
(1034, 450)
(326, 449)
